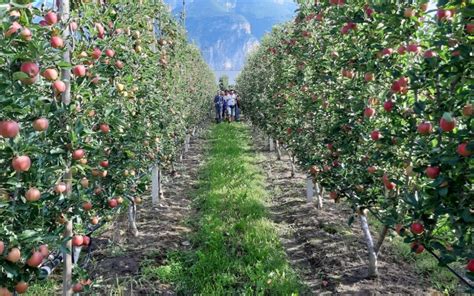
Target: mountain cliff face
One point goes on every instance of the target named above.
(226, 30)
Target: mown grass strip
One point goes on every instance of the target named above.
(236, 249)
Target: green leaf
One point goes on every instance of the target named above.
(20, 75)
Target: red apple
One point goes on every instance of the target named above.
(87, 241)
(112, 203)
(447, 122)
(44, 251)
(100, 30)
(470, 265)
(104, 163)
(425, 128)
(375, 135)
(96, 53)
(21, 163)
(26, 34)
(468, 110)
(2, 248)
(387, 51)
(14, 255)
(369, 12)
(77, 288)
(35, 260)
(110, 53)
(369, 76)
(5, 292)
(79, 71)
(60, 188)
(463, 150)
(15, 27)
(77, 240)
(50, 74)
(371, 169)
(94, 220)
(119, 64)
(388, 105)
(417, 247)
(470, 28)
(396, 87)
(369, 112)
(57, 42)
(87, 206)
(401, 49)
(30, 68)
(417, 228)
(59, 86)
(104, 128)
(432, 172)
(21, 287)
(442, 14)
(390, 185)
(409, 12)
(429, 54)
(78, 154)
(84, 182)
(414, 48)
(51, 18)
(9, 129)
(33, 194)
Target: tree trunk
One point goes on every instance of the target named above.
(373, 271)
(64, 12)
(67, 258)
(271, 144)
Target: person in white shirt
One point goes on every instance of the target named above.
(231, 101)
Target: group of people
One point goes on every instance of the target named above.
(227, 105)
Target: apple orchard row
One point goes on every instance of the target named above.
(89, 103)
(376, 103)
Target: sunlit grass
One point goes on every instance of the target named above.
(236, 249)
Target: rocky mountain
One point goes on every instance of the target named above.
(226, 30)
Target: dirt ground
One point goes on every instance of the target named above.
(329, 254)
(118, 257)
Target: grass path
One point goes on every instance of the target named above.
(236, 248)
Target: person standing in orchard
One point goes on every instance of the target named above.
(218, 105)
(231, 105)
(225, 104)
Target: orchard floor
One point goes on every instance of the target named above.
(328, 254)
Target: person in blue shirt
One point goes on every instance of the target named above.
(219, 105)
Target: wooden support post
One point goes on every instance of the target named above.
(278, 149)
(319, 196)
(309, 188)
(271, 144)
(132, 217)
(155, 186)
(373, 271)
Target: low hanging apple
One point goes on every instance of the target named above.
(21, 163)
(9, 129)
(417, 228)
(51, 18)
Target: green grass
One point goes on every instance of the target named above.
(236, 249)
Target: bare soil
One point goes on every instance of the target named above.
(118, 257)
(329, 255)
